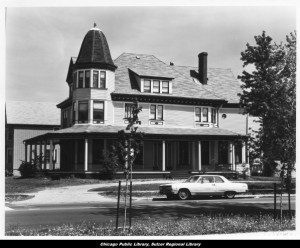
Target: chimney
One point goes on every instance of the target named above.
(203, 67)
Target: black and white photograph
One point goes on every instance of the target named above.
(125, 122)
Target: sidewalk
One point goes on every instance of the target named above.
(81, 194)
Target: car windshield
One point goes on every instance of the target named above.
(192, 179)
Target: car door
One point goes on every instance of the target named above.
(220, 185)
(205, 186)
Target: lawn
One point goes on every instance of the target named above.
(200, 225)
(14, 185)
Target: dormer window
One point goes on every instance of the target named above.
(205, 114)
(156, 86)
(147, 86)
(198, 114)
(165, 87)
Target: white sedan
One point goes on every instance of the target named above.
(208, 185)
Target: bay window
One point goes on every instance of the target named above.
(80, 79)
(83, 111)
(102, 79)
(87, 79)
(98, 112)
(95, 79)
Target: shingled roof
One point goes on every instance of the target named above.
(221, 81)
(95, 51)
(183, 86)
(32, 113)
(221, 85)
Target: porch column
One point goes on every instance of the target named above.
(233, 157)
(199, 155)
(54, 157)
(76, 154)
(26, 152)
(45, 154)
(86, 155)
(193, 155)
(243, 152)
(163, 155)
(30, 153)
(35, 150)
(51, 155)
(40, 154)
(230, 155)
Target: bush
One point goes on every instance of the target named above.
(31, 169)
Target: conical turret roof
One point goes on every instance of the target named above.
(94, 52)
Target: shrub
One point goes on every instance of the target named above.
(32, 168)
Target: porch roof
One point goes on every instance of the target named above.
(97, 131)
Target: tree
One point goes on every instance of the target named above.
(127, 147)
(269, 92)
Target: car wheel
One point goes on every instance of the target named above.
(229, 194)
(184, 194)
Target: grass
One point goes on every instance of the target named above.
(200, 225)
(15, 185)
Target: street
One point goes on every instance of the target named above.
(157, 208)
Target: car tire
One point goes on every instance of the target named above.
(184, 194)
(229, 194)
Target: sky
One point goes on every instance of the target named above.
(41, 40)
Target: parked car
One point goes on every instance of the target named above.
(209, 185)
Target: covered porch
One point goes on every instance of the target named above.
(82, 149)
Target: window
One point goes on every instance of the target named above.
(156, 86)
(156, 112)
(65, 118)
(213, 115)
(98, 112)
(160, 112)
(147, 86)
(165, 87)
(205, 152)
(87, 79)
(80, 80)
(102, 79)
(71, 89)
(75, 78)
(197, 114)
(74, 112)
(219, 180)
(83, 112)
(206, 179)
(238, 152)
(153, 112)
(205, 114)
(9, 156)
(98, 151)
(95, 79)
(223, 152)
(128, 110)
